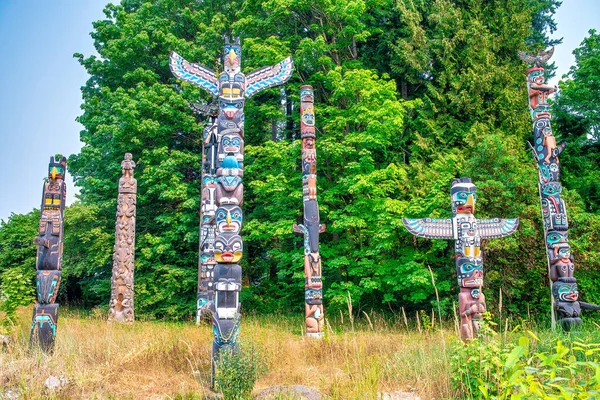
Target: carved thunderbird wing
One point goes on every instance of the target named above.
(496, 227)
(538, 59)
(430, 228)
(267, 77)
(195, 74)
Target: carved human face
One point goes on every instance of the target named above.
(228, 248)
(308, 116)
(231, 144)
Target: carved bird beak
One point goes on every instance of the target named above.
(53, 173)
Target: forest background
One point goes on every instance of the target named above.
(409, 95)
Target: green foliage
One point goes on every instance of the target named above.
(577, 120)
(237, 371)
(17, 263)
(526, 368)
(408, 96)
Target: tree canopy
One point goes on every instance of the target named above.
(409, 95)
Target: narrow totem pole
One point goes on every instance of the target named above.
(554, 213)
(121, 298)
(232, 87)
(313, 283)
(208, 207)
(467, 232)
(49, 255)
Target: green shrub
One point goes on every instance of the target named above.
(237, 370)
(526, 367)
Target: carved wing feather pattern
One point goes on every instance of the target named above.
(538, 59)
(195, 74)
(267, 77)
(496, 227)
(430, 228)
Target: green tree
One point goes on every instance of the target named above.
(17, 262)
(408, 96)
(577, 120)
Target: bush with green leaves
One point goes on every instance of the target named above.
(566, 367)
(237, 370)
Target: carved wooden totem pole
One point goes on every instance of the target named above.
(554, 212)
(121, 297)
(208, 207)
(467, 232)
(313, 284)
(49, 255)
(232, 87)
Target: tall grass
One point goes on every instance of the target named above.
(357, 359)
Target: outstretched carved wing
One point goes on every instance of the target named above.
(267, 77)
(538, 59)
(430, 228)
(496, 227)
(195, 74)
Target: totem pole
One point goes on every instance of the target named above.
(121, 297)
(554, 213)
(49, 255)
(467, 232)
(313, 284)
(232, 87)
(208, 207)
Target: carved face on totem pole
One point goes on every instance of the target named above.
(228, 248)
(553, 207)
(229, 219)
(231, 145)
(565, 290)
(56, 169)
(230, 189)
(463, 194)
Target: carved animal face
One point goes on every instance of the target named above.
(565, 289)
(229, 219)
(231, 109)
(464, 196)
(56, 169)
(536, 75)
(469, 272)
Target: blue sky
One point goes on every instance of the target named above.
(40, 84)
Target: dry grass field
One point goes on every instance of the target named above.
(162, 360)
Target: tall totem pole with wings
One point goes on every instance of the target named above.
(467, 232)
(49, 255)
(222, 206)
(554, 213)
